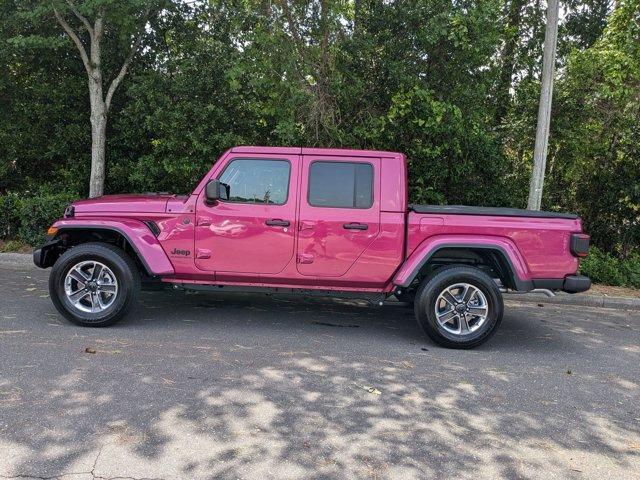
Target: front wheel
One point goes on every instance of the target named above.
(459, 307)
(94, 284)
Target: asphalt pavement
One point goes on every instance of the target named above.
(248, 386)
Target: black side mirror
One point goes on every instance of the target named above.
(216, 190)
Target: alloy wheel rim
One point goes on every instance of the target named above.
(461, 309)
(91, 286)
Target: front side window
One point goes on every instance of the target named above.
(257, 181)
(341, 184)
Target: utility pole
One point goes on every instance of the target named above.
(544, 108)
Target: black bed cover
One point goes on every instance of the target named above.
(494, 211)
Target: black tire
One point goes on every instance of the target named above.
(473, 334)
(121, 265)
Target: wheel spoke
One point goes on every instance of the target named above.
(468, 294)
(457, 297)
(78, 276)
(449, 298)
(447, 316)
(480, 310)
(97, 270)
(100, 301)
(78, 295)
(107, 288)
(464, 325)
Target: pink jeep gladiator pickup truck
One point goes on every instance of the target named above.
(313, 221)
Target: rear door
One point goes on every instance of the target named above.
(339, 213)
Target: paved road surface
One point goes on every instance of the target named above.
(234, 386)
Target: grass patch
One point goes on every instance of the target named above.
(14, 246)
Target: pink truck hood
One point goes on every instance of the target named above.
(143, 203)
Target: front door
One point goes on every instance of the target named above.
(339, 213)
(254, 230)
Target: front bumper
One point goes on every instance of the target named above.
(37, 257)
(46, 255)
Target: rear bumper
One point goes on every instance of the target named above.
(576, 283)
(569, 284)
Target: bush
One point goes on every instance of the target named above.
(8, 215)
(28, 217)
(37, 213)
(603, 267)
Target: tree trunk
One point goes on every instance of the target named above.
(98, 136)
(544, 109)
(99, 103)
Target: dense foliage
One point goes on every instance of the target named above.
(454, 85)
(603, 267)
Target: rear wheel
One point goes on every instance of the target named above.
(459, 307)
(94, 284)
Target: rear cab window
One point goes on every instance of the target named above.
(340, 184)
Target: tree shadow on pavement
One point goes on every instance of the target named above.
(204, 386)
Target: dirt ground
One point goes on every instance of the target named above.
(610, 291)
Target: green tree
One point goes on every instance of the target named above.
(106, 35)
(455, 85)
(596, 163)
(43, 102)
(128, 21)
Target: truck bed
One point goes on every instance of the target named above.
(540, 240)
(490, 211)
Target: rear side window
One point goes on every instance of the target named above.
(257, 181)
(341, 185)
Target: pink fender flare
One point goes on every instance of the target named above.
(519, 270)
(138, 235)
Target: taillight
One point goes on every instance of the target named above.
(579, 244)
